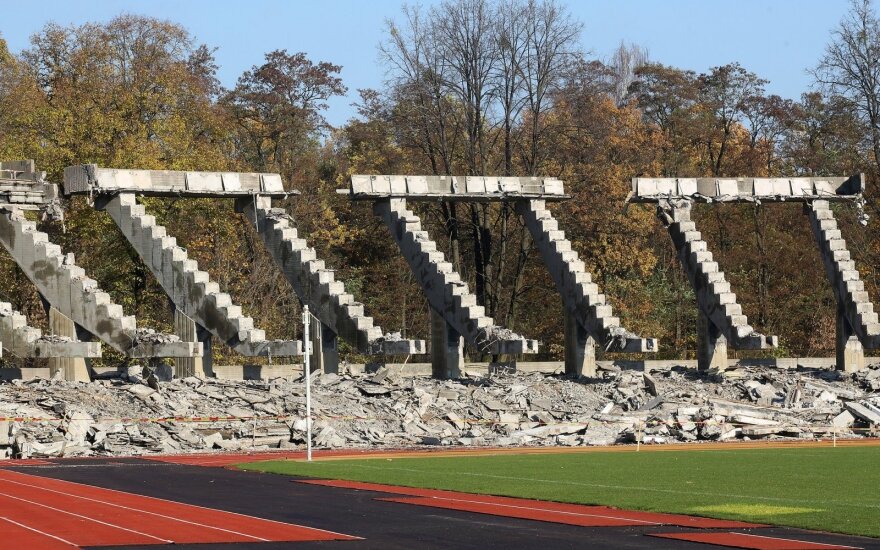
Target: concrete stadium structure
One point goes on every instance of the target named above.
(80, 312)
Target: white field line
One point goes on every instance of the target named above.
(45, 534)
(626, 487)
(137, 510)
(533, 509)
(157, 499)
(87, 518)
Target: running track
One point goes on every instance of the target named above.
(136, 503)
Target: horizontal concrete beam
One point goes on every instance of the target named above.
(166, 349)
(637, 345)
(277, 348)
(50, 348)
(747, 189)
(23, 187)
(399, 347)
(454, 188)
(89, 179)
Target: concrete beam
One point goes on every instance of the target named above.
(22, 186)
(454, 188)
(316, 285)
(857, 322)
(189, 331)
(581, 297)
(63, 284)
(447, 294)
(89, 179)
(715, 299)
(22, 340)
(801, 189)
(190, 289)
(447, 349)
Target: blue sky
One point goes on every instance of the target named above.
(778, 39)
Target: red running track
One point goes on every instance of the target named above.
(538, 510)
(40, 513)
(750, 542)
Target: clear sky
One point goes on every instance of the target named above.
(778, 39)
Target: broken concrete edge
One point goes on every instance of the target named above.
(398, 347)
(42, 348)
(755, 341)
(636, 345)
(521, 346)
(89, 179)
(166, 349)
(452, 188)
(463, 197)
(384, 409)
(270, 348)
(801, 189)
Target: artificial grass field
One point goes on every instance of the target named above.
(823, 488)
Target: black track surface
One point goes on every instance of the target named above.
(385, 525)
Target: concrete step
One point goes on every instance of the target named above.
(310, 278)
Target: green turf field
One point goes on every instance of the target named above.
(830, 489)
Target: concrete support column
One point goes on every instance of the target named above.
(73, 368)
(711, 345)
(325, 351)
(190, 331)
(447, 349)
(580, 347)
(849, 350)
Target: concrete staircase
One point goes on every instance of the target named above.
(447, 294)
(191, 290)
(23, 340)
(714, 295)
(65, 286)
(849, 289)
(317, 286)
(579, 293)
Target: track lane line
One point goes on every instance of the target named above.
(87, 518)
(41, 481)
(179, 538)
(41, 533)
(539, 506)
(546, 510)
(800, 541)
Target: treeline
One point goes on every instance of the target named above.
(499, 87)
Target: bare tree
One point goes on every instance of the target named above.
(624, 63)
(850, 67)
(552, 41)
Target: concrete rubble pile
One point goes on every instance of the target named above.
(143, 411)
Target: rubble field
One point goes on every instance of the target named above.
(140, 411)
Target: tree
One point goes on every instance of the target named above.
(725, 92)
(850, 67)
(277, 109)
(625, 62)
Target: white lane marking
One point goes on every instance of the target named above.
(136, 510)
(157, 499)
(29, 528)
(826, 545)
(544, 510)
(86, 518)
(626, 487)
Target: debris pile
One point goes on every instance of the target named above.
(141, 411)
